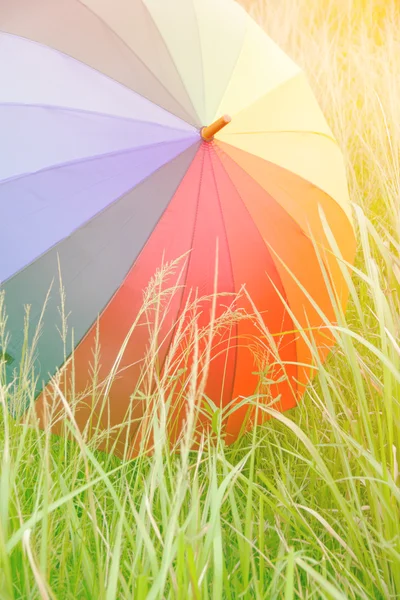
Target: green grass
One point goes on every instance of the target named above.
(308, 505)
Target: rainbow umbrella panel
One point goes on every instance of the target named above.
(136, 132)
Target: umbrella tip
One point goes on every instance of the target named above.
(208, 133)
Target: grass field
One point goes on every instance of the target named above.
(308, 506)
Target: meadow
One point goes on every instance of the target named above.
(307, 506)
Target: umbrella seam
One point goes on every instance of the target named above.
(104, 23)
(276, 165)
(232, 386)
(201, 59)
(283, 131)
(267, 249)
(100, 313)
(191, 129)
(92, 158)
(300, 228)
(82, 225)
(189, 260)
(233, 69)
(295, 222)
(176, 69)
(272, 90)
(102, 74)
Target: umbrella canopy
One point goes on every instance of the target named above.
(135, 132)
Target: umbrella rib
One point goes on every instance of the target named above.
(258, 98)
(247, 210)
(276, 165)
(324, 250)
(296, 131)
(287, 213)
(88, 221)
(233, 68)
(188, 264)
(92, 158)
(201, 60)
(177, 71)
(231, 269)
(143, 63)
(57, 107)
(267, 192)
(126, 222)
(122, 283)
(108, 77)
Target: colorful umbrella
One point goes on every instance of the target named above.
(109, 168)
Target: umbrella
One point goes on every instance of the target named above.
(136, 132)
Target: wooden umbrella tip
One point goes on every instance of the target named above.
(207, 133)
